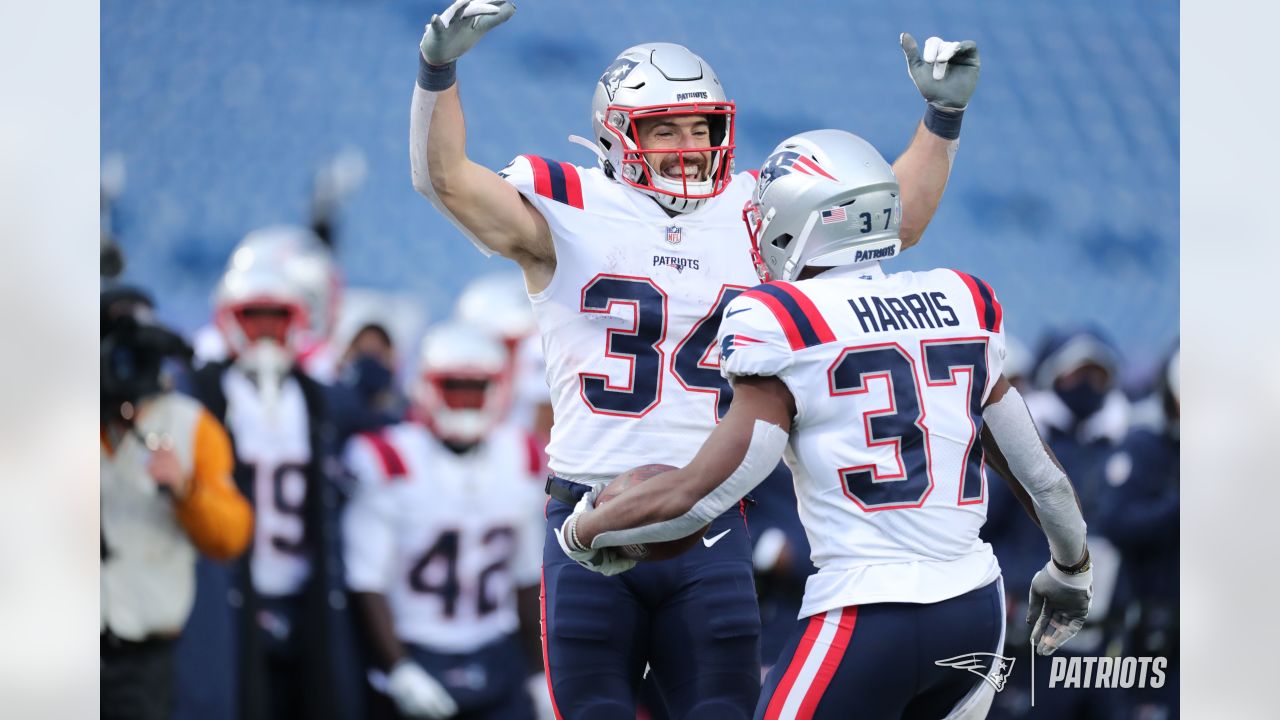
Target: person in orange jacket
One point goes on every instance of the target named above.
(167, 495)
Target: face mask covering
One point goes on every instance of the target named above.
(369, 377)
(1083, 400)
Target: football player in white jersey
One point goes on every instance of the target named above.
(629, 266)
(879, 391)
(443, 539)
(274, 413)
(500, 304)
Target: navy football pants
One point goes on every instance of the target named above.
(693, 619)
(879, 660)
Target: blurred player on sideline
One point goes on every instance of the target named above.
(443, 541)
(628, 267)
(500, 304)
(288, 663)
(905, 589)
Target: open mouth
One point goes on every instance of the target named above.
(691, 173)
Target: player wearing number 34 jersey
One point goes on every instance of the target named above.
(878, 389)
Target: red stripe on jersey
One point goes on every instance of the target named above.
(541, 175)
(392, 466)
(572, 184)
(810, 311)
(755, 174)
(789, 327)
(536, 457)
(830, 662)
(774, 711)
(979, 305)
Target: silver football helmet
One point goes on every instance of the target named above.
(824, 198)
(461, 387)
(662, 80)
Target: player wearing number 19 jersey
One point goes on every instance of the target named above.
(290, 661)
(886, 384)
(629, 267)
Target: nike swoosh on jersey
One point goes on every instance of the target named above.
(709, 541)
(731, 313)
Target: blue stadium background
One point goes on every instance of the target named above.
(1064, 197)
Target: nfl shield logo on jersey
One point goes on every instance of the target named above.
(675, 234)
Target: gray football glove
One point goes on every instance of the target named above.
(946, 74)
(1059, 604)
(606, 561)
(461, 25)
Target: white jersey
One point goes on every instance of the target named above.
(889, 375)
(275, 443)
(629, 318)
(447, 538)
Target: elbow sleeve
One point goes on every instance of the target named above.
(767, 443)
(1049, 487)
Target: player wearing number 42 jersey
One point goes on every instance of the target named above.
(443, 540)
(879, 389)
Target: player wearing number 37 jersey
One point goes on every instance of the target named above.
(879, 390)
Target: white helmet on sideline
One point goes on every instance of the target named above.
(461, 383)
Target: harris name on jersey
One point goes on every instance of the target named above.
(914, 311)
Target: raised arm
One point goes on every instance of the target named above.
(486, 208)
(1061, 592)
(946, 76)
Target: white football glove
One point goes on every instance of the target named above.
(1059, 604)
(453, 32)
(417, 694)
(947, 73)
(605, 561)
(541, 694)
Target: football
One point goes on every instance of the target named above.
(647, 551)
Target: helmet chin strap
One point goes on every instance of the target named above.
(579, 140)
(789, 268)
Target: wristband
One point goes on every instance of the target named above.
(435, 78)
(943, 123)
(1084, 565)
(574, 543)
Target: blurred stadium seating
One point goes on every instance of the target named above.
(1064, 198)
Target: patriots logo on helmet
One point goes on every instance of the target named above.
(991, 667)
(616, 73)
(784, 163)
